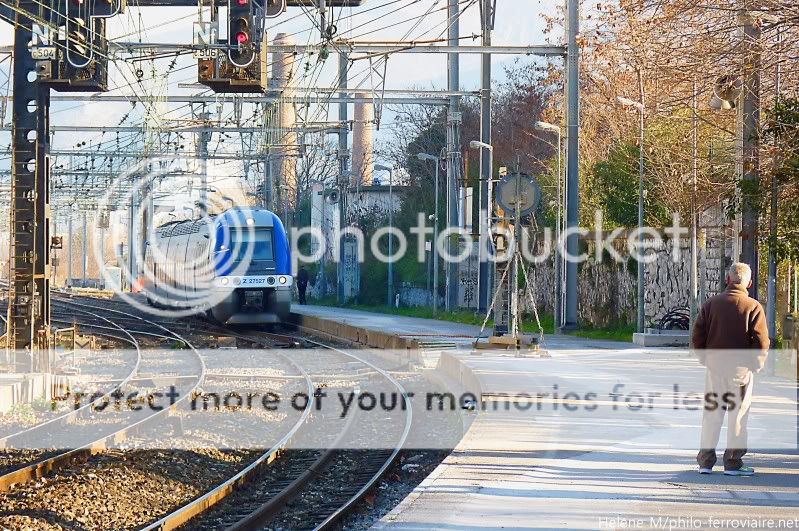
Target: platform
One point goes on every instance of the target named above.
(408, 328)
(553, 469)
(430, 331)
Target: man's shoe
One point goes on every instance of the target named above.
(743, 471)
(703, 470)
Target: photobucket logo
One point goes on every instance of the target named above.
(458, 245)
(168, 268)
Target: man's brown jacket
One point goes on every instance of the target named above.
(732, 321)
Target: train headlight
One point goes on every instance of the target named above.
(282, 280)
(250, 222)
(270, 280)
(223, 281)
(236, 281)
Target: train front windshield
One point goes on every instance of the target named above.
(256, 243)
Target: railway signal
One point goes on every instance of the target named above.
(241, 42)
(71, 51)
(64, 44)
(243, 68)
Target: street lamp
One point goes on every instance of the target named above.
(485, 225)
(390, 289)
(435, 160)
(559, 269)
(640, 107)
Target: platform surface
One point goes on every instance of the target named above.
(554, 469)
(432, 329)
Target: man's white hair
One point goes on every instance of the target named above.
(740, 273)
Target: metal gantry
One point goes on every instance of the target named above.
(29, 291)
(29, 286)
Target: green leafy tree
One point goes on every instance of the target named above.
(782, 134)
(616, 187)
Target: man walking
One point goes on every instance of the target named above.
(731, 339)
(302, 283)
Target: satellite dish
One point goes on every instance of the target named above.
(726, 91)
(518, 187)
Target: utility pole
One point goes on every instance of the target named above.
(641, 195)
(453, 151)
(147, 209)
(29, 282)
(694, 283)
(796, 287)
(486, 171)
(771, 287)
(132, 266)
(203, 138)
(748, 141)
(268, 187)
(84, 251)
(572, 167)
(69, 250)
(343, 69)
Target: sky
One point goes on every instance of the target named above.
(518, 22)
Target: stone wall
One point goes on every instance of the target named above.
(607, 289)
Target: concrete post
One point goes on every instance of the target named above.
(69, 250)
(748, 141)
(485, 159)
(203, 138)
(84, 251)
(343, 69)
(453, 148)
(572, 167)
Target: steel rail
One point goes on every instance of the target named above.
(267, 510)
(40, 468)
(101, 327)
(201, 504)
(276, 503)
(341, 511)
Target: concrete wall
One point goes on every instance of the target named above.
(607, 289)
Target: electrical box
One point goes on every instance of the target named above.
(90, 75)
(220, 75)
(789, 327)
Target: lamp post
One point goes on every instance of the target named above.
(640, 107)
(435, 160)
(485, 225)
(390, 284)
(559, 270)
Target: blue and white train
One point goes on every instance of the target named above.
(236, 266)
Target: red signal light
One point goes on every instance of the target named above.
(242, 37)
(242, 2)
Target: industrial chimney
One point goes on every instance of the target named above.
(284, 165)
(362, 143)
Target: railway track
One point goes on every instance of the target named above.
(75, 432)
(297, 477)
(285, 491)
